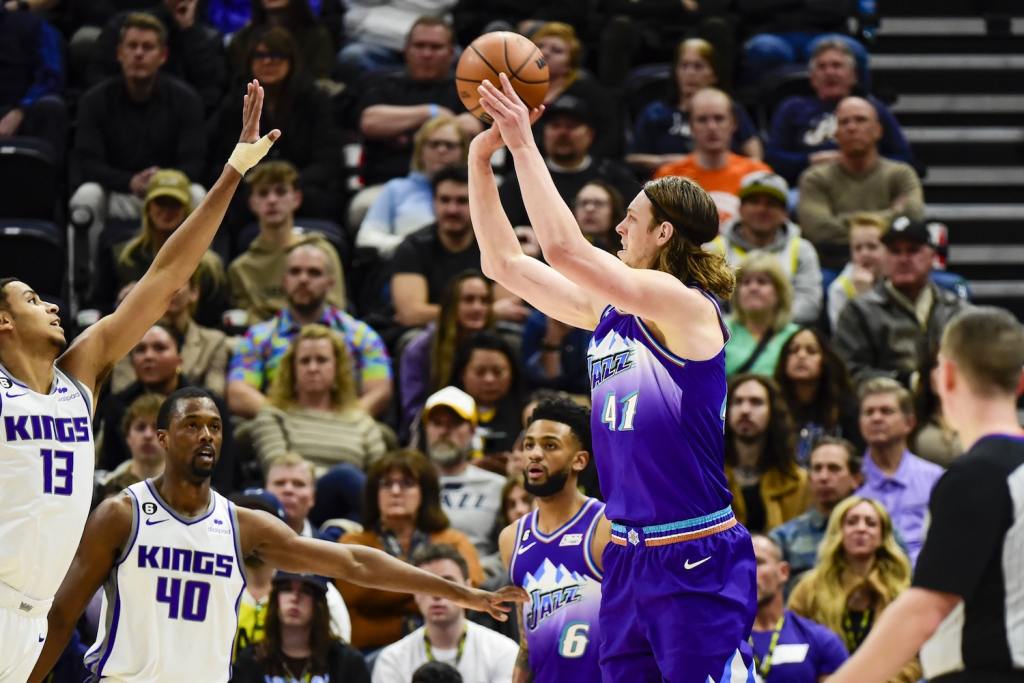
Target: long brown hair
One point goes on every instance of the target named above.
(430, 518)
(833, 383)
(694, 216)
(343, 392)
(779, 438)
(449, 334)
(269, 651)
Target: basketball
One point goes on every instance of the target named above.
(497, 52)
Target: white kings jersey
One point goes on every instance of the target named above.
(47, 458)
(170, 604)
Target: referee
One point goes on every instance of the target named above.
(965, 610)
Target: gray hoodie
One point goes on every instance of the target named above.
(796, 255)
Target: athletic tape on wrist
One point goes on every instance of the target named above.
(248, 154)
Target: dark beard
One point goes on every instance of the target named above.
(554, 484)
(306, 310)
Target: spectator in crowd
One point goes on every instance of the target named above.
(817, 391)
(32, 80)
(568, 131)
(298, 644)
(394, 106)
(789, 33)
(598, 208)
(310, 139)
(768, 488)
(478, 653)
(759, 323)
(860, 571)
(259, 576)
(313, 409)
(763, 226)
(486, 368)
(436, 672)
(132, 125)
(893, 329)
(866, 264)
(834, 475)
(856, 178)
(516, 501)
(307, 280)
(315, 48)
(375, 33)
(204, 350)
(934, 438)
(470, 495)
(291, 483)
(254, 277)
(195, 50)
(157, 363)
(661, 133)
(893, 475)
(406, 204)
(427, 259)
(563, 53)
(167, 203)
(426, 365)
(403, 512)
(804, 128)
(779, 634)
(711, 164)
(147, 455)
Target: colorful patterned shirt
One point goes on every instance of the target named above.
(256, 359)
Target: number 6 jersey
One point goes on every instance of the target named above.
(46, 468)
(170, 604)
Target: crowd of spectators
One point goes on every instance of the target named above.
(377, 382)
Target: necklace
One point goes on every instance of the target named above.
(458, 652)
(854, 635)
(303, 676)
(766, 665)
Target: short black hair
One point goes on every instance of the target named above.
(436, 672)
(3, 295)
(456, 173)
(170, 404)
(566, 411)
(853, 457)
(426, 554)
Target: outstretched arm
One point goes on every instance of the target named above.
(94, 352)
(275, 543)
(105, 536)
(502, 257)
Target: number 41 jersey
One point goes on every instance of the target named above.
(170, 604)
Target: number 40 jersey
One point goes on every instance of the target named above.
(170, 604)
(560, 622)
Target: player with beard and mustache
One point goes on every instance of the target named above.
(169, 553)
(554, 552)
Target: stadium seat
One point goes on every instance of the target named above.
(28, 179)
(34, 251)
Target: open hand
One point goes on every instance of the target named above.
(494, 603)
(252, 108)
(511, 117)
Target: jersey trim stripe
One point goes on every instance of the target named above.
(233, 517)
(111, 630)
(548, 538)
(519, 537)
(588, 539)
(656, 345)
(167, 508)
(136, 516)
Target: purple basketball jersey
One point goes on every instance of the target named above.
(561, 620)
(658, 425)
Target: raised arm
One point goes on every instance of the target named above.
(94, 352)
(501, 256)
(275, 543)
(104, 538)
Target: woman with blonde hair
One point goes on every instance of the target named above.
(313, 408)
(661, 133)
(861, 570)
(563, 53)
(760, 321)
(407, 204)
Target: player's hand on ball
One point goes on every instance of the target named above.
(510, 115)
(495, 603)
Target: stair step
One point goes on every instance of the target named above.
(946, 62)
(975, 175)
(985, 254)
(931, 26)
(985, 289)
(976, 212)
(959, 104)
(972, 135)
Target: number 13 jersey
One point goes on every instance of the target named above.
(170, 604)
(47, 459)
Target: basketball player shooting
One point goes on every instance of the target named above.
(679, 593)
(46, 447)
(170, 552)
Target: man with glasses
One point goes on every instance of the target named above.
(255, 276)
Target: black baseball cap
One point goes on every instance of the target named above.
(905, 228)
(570, 105)
(315, 580)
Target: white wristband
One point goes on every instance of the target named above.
(248, 154)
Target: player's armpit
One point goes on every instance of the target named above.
(103, 541)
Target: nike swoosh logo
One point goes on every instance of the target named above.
(523, 549)
(150, 522)
(10, 395)
(691, 565)
(42, 638)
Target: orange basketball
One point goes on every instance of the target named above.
(497, 52)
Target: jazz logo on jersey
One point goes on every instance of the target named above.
(552, 588)
(608, 366)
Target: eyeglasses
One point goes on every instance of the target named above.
(446, 145)
(261, 55)
(592, 203)
(405, 483)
